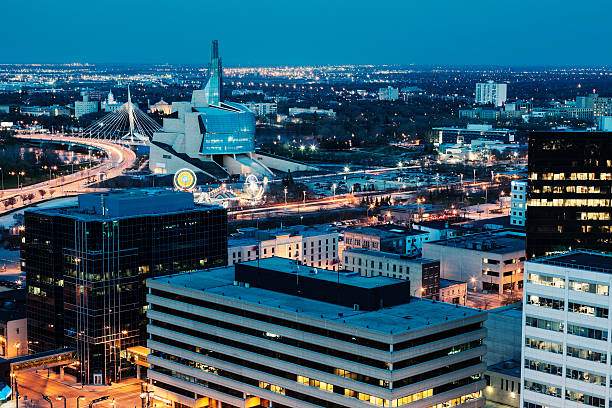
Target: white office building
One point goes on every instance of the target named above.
(566, 326)
(313, 110)
(388, 94)
(490, 262)
(262, 109)
(518, 202)
(85, 106)
(272, 335)
(491, 92)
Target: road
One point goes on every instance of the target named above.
(33, 385)
(118, 159)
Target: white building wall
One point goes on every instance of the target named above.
(547, 346)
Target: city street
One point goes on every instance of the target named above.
(32, 387)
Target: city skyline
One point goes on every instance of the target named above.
(339, 33)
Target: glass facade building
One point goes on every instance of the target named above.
(569, 192)
(227, 129)
(86, 271)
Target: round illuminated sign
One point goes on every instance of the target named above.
(185, 179)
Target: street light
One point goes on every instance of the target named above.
(79, 398)
(346, 169)
(334, 190)
(370, 207)
(474, 282)
(61, 397)
(285, 191)
(2, 172)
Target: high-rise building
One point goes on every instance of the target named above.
(86, 268)
(85, 106)
(518, 202)
(569, 192)
(491, 93)
(272, 333)
(388, 94)
(566, 325)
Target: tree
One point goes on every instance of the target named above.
(42, 192)
(10, 201)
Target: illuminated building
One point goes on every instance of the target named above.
(566, 325)
(162, 107)
(518, 202)
(471, 132)
(491, 93)
(388, 94)
(315, 246)
(86, 266)
(270, 333)
(85, 106)
(569, 192)
(212, 136)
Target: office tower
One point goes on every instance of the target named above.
(86, 266)
(388, 94)
(566, 326)
(569, 192)
(272, 333)
(491, 92)
(518, 202)
(85, 106)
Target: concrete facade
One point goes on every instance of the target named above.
(219, 344)
(491, 261)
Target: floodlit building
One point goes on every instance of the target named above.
(491, 93)
(503, 384)
(85, 106)
(262, 109)
(489, 261)
(569, 192)
(566, 325)
(313, 110)
(456, 135)
(518, 202)
(162, 107)
(315, 246)
(277, 334)
(212, 136)
(388, 94)
(86, 266)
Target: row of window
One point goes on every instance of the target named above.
(576, 285)
(559, 304)
(571, 351)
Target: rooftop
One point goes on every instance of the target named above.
(414, 315)
(508, 367)
(385, 231)
(491, 242)
(350, 278)
(445, 283)
(389, 255)
(580, 259)
(124, 204)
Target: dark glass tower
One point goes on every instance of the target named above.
(86, 268)
(569, 191)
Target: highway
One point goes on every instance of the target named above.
(118, 159)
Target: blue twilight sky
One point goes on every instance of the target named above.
(291, 32)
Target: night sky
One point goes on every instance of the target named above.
(314, 32)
